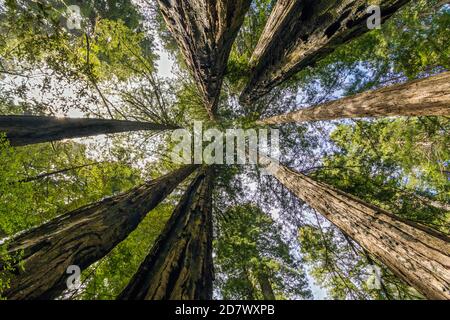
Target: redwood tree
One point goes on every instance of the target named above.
(415, 253)
(300, 33)
(26, 130)
(180, 266)
(205, 31)
(81, 237)
(424, 97)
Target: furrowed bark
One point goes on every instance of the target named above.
(82, 237)
(205, 32)
(26, 130)
(417, 254)
(300, 33)
(179, 266)
(424, 97)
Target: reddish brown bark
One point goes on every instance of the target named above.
(424, 97)
(300, 33)
(179, 266)
(205, 31)
(81, 237)
(25, 130)
(417, 254)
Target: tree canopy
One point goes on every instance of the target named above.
(265, 242)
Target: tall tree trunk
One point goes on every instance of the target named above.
(179, 266)
(417, 254)
(25, 130)
(266, 286)
(82, 237)
(205, 31)
(425, 97)
(300, 33)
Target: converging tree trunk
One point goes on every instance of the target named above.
(300, 33)
(81, 237)
(205, 32)
(26, 130)
(424, 97)
(417, 254)
(179, 266)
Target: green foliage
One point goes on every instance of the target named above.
(9, 266)
(35, 33)
(341, 267)
(246, 41)
(13, 197)
(113, 50)
(401, 165)
(249, 243)
(115, 10)
(35, 202)
(324, 254)
(397, 164)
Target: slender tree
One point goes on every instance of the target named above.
(252, 259)
(431, 202)
(425, 97)
(415, 253)
(205, 32)
(300, 33)
(26, 130)
(179, 266)
(54, 173)
(81, 237)
(266, 286)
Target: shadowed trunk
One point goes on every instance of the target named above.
(82, 237)
(300, 33)
(205, 31)
(425, 97)
(179, 266)
(26, 130)
(251, 292)
(415, 253)
(266, 287)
